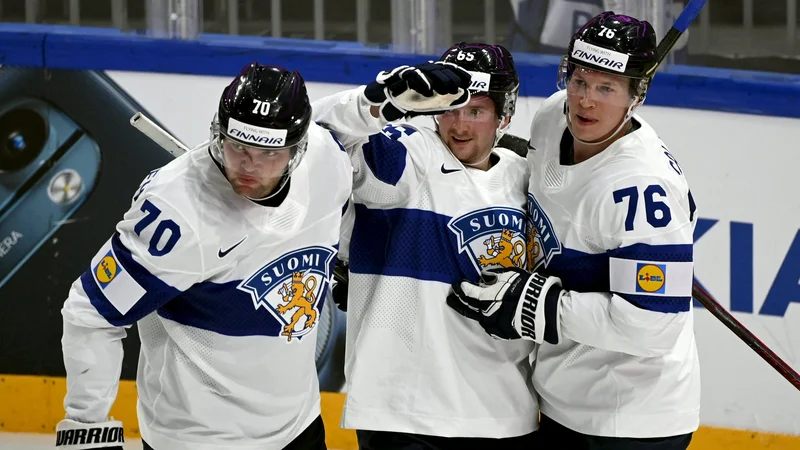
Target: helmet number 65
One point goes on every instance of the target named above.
(463, 56)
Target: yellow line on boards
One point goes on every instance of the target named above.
(34, 404)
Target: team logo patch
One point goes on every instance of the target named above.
(543, 243)
(106, 270)
(291, 288)
(651, 278)
(493, 237)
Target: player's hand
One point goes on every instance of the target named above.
(424, 89)
(74, 435)
(512, 304)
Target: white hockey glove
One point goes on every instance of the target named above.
(74, 435)
(424, 89)
(512, 304)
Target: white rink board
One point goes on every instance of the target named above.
(742, 170)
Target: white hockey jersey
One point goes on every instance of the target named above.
(423, 221)
(617, 229)
(226, 293)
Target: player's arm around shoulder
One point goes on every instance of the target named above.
(336, 161)
(646, 223)
(347, 114)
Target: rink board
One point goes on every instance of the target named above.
(734, 133)
(36, 406)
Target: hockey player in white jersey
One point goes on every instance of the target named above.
(612, 219)
(222, 260)
(432, 205)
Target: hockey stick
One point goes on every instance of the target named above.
(520, 147)
(158, 134)
(745, 335)
(678, 28)
(684, 20)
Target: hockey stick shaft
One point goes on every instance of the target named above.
(745, 335)
(520, 147)
(678, 28)
(158, 134)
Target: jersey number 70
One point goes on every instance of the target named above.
(151, 213)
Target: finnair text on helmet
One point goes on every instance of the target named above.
(267, 137)
(599, 56)
(480, 81)
(254, 138)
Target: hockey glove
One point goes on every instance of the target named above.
(512, 304)
(74, 435)
(341, 277)
(425, 89)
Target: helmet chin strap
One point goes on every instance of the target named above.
(479, 162)
(278, 187)
(625, 119)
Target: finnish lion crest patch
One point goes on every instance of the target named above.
(292, 288)
(493, 237)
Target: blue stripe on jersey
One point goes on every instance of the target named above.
(385, 157)
(223, 309)
(589, 272)
(656, 253)
(409, 243)
(157, 292)
(335, 139)
(580, 271)
(658, 303)
(660, 253)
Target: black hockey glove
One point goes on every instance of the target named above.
(341, 278)
(74, 435)
(424, 89)
(512, 304)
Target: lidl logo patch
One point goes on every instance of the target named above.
(106, 270)
(651, 278)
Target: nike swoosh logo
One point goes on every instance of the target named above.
(223, 254)
(446, 171)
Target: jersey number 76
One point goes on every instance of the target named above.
(657, 212)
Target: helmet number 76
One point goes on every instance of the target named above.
(606, 32)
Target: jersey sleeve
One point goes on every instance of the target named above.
(389, 159)
(646, 226)
(153, 257)
(348, 115)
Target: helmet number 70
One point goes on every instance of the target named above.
(260, 107)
